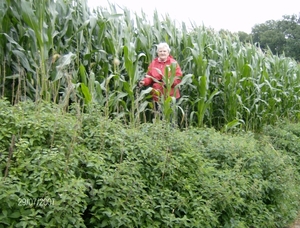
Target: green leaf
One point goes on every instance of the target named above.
(86, 93)
(23, 60)
(15, 215)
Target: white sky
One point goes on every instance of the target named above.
(232, 15)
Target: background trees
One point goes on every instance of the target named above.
(281, 36)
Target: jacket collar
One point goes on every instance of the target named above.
(168, 59)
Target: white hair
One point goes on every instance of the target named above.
(163, 45)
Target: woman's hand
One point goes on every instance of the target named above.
(141, 83)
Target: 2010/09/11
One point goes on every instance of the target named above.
(38, 202)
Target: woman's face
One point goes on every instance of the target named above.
(163, 53)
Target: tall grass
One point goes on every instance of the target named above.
(64, 52)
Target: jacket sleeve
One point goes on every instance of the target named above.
(178, 74)
(147, 80)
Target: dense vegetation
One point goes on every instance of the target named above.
(89, 171)
(79, 144)
(281, 36)
(61, 52)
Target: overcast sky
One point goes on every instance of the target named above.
(233, 15)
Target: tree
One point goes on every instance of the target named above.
(281, 36)
(244, 37)
(269, 35)
(290, 25)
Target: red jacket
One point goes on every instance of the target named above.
(158, 75)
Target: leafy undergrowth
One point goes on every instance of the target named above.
(82, 170)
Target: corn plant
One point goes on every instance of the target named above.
(63, 52)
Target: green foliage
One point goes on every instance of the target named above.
(39, 185)
(256, 176)
(268, 35)
(244, 37)
(281, 36)
(64, 52)
(81, 169)
(285, 137)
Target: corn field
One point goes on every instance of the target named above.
(62, 51)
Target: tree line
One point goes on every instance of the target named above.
(282, 37)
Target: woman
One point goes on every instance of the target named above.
(156, 71)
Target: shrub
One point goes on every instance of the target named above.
(40, 187)
(86, 170)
